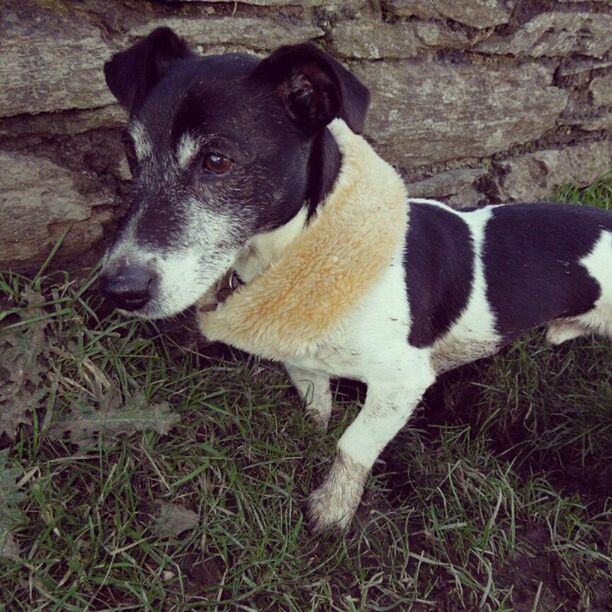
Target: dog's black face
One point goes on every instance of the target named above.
(222, 149)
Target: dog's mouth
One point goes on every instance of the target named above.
(156, 288)
(207, 302)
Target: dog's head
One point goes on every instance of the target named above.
(222, 148)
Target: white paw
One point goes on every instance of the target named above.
(333, 505)
(562, 330)
(319, 416)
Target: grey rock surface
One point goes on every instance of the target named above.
(50, 63)
(39, 200)
(455, 187)
(601, 90)
(556, 34)
(475, 13)
(534, 176)
(262, 2)
(436, 34)
(242, 31)
(65, 122)
(375, 40)
(425, 113)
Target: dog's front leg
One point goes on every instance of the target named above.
(386, 410)
(313, 387)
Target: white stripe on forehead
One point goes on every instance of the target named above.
(187, 148)
(139, 135)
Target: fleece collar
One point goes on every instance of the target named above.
(304, 297)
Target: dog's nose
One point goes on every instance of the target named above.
(129, 288)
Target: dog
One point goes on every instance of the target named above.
(257, 200)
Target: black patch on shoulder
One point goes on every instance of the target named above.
(531, 262)
(439, 263)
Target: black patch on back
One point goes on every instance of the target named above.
(531, 262)
(439, 263)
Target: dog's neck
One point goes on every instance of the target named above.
(266, 248)
(320, 270)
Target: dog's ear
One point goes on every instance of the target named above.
(131, 74)
(314, 87)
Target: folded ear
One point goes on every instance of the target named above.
(314, 87)
(131, 74)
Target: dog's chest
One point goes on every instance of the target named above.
(375, 341)
(373, 338)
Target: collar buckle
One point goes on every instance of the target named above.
(226, 285)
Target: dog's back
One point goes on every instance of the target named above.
(477, 279)
(545, 262)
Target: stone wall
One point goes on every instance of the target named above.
(473, 100)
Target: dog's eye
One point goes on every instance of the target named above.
(217, 163)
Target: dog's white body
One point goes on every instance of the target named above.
(370, 345)
(371, 348)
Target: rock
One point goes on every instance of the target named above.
(573, 66)
(536, 175)
(555, 34)
(425, 113)
(39, 200)
(435, 34)
(588, 120)
(65, 122)
(604, 122)
(475, 13)
(375, 39)
(50, 61)
(246, 32)
(601, 90)
(455, 187)
(590, 117)
(263, 2)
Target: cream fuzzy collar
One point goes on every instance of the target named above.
(295, 305)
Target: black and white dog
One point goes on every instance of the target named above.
(254, 167)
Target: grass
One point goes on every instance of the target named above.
(495, 496)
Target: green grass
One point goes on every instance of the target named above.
(599, 194)
(496, 495)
